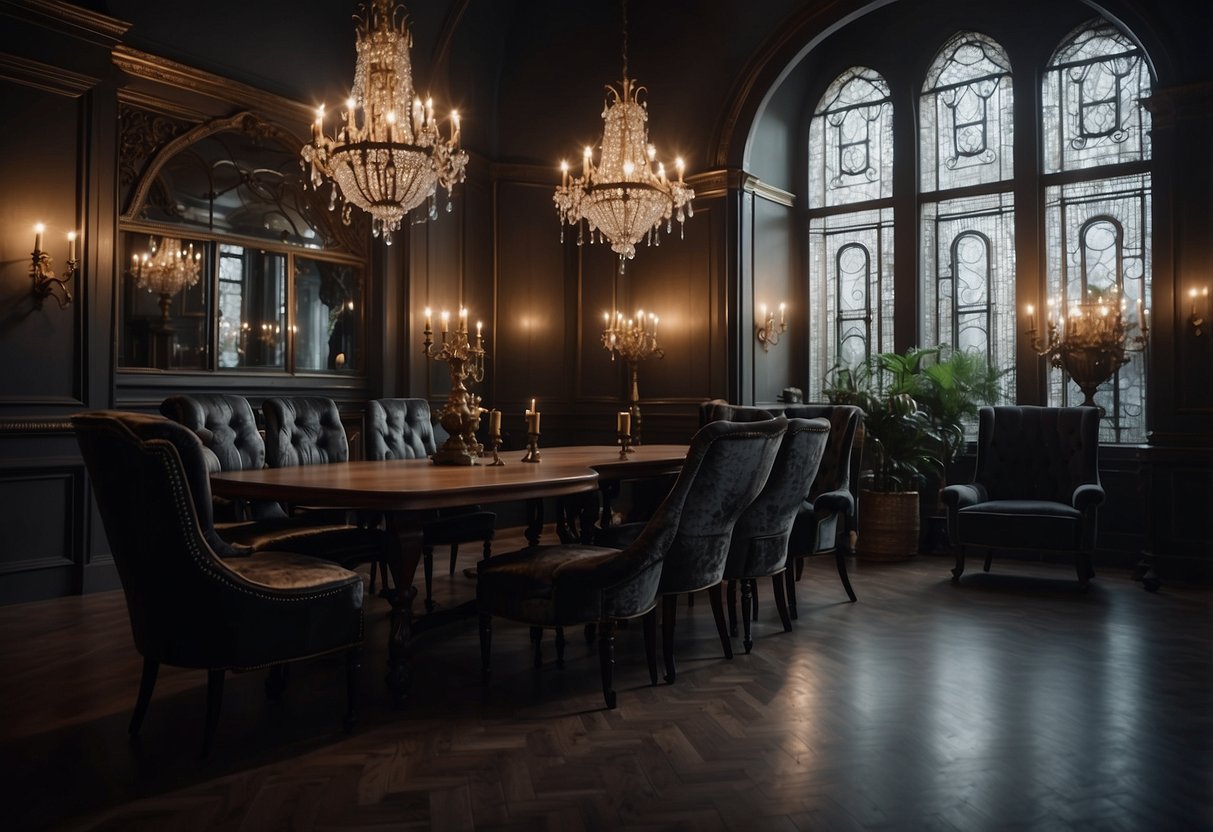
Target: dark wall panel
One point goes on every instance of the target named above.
(532, 358)
(775, 282)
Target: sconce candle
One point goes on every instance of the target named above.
(44, 280)
(38, 229)
(766, 331)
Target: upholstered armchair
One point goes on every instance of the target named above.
(759, 546)
(719, 410)
(829, 513)
(188, 606)
(682, 547)
(402, 429)
(225, 425)
(1035, 485)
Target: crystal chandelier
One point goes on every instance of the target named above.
(627, 196)
(168, 269)
(389, 156)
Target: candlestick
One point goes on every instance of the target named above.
(532, 444)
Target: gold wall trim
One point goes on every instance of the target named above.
(141, 100)
(69, 18)
(42, 76)
(163, 71)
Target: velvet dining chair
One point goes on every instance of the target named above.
(402, 429)
(683, 546)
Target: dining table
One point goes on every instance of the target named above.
(407, 491)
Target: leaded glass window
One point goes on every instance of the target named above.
(850, 290)
(1090, 101)
(1098, 241)
(966, 115)
(968, 278)
(851, 141)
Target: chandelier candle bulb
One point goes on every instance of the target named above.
(71, 245)
(783, 308)
(428, 324)
(38, 229)
(1031, 318)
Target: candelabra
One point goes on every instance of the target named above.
(461, 414)
(45, 281)
(634, 340)
(1090, 343)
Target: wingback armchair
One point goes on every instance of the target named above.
(1035, 485)
(402, 429)
(188, 606)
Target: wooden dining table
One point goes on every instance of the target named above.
(407, 491)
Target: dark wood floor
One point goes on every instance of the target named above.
(1012, 701)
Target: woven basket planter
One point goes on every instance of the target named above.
(888, 525)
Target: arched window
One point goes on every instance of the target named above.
(1097, 201)
(850, 223)
(966, 137)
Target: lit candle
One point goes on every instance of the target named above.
(783, 307)
(762, 311)
(585, 162)
(463, 319)
(455, 122)
(495, 422)
(429, 111)
(564, 173)
(71, 245)
(1031, 318)
(655, 319)
(38, 229)
(532, 421)
(532, 410)
(446, 321)
(479, 331)
(429, 326)
(623, 423)
(679, 165)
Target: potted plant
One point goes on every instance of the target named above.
(900, 446)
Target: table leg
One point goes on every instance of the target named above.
(534, 520)
(404, 554)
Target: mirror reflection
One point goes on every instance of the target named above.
(165, 290)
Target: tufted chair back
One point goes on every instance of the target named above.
(399, 429)
(224, 423)
(759, 544)
(303, 431)
(719, 410)
(1036, 453)
(834, 474)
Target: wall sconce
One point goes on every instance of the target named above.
(1197, 318)
(768, 334)
(45, 282)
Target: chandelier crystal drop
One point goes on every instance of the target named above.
(169, 268)
(627, 196)
(389, 155)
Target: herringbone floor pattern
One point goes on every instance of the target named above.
(1010, 702)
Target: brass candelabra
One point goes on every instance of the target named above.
(634, 340)
(1090, 342)
(460, 416)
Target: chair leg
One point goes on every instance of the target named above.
(799, 568)
(1082, 565)
(454, 556)
(732, 606)
(754, 598)
(606, 661)
(487, 549)
(352, 663)
(147, 683)
(714, 596)
(959, 568)
(650, 643)
(427, 559)
(840, 560)
(486, 642)
(669, 610)
(989, 558)
(789, 582)
(747, 603)
(214, 698)
(781, 602)
(560, 648)
(537, 646)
